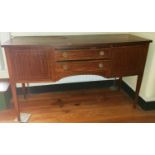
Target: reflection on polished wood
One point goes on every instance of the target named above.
(94, 105)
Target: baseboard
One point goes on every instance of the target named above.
(142, 103)
(88, 85)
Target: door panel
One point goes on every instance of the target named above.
(30, 64)
(129, 60)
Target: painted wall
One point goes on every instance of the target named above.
(4, 36)
(56, 33)
(147, 91)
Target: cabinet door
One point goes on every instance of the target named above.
(30, 64)
(129, 60)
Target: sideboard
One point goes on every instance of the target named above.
(50, 58)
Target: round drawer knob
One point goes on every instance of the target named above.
(64, 54)
(102, 53)
(101, 65)
(65, 67)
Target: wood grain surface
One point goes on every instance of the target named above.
(80, 106)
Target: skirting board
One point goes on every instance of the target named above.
(87, 85)
(142, 103)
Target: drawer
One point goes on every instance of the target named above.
(83, 54)
(96, 67)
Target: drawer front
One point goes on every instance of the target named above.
(83, 54)
(97, 67)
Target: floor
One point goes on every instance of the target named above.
(80, 106)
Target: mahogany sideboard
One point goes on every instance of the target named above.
(50, 58)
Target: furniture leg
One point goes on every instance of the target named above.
(15, 100)
(27, 90)
(24, 90)
(139, 82)
(119, 83)
(114, 87)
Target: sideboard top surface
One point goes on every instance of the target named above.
(75, 40)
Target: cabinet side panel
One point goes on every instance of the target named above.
(129, 60)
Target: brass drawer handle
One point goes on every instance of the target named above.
(100, 65)
(64, 54)
(102, 53)
(65, 67)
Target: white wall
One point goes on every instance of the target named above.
(147, 91)
(56, 33)
(4, 36)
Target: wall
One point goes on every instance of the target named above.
(4, 36)
(147, 91)
(2, 65)
(55, 33)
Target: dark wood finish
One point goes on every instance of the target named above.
(28, 92)
(15, 100)
(77, 41)
(83, 54)
(119, 83)
(98, 67)
(30, 64)
(139, 81)
(80, 106)
(43, 59)
(13, 84)
(128, 60)
(24, 90)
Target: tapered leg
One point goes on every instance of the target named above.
(119, 83)
(27, 90)
(114, 87)
(24, 90)
(139, 82)
(15, 100)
